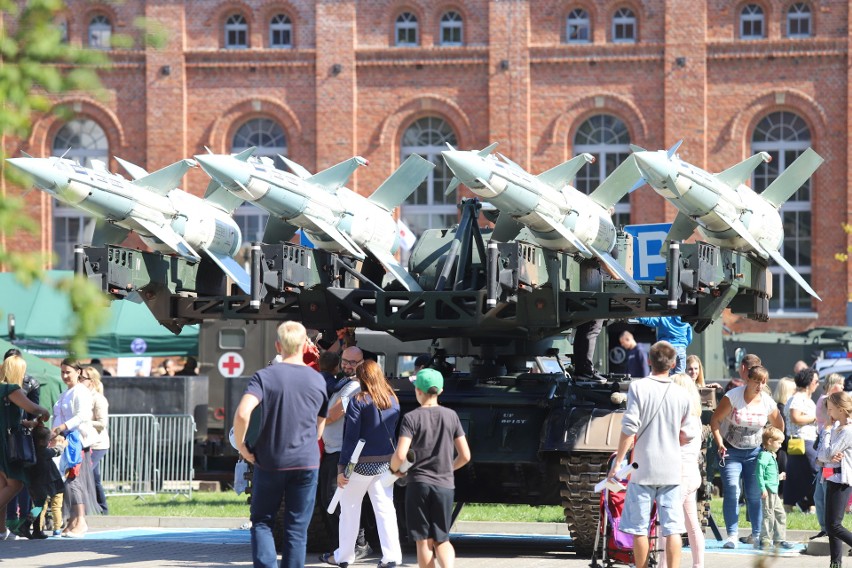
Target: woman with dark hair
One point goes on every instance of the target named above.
(72, 418)
(12, 475)
(372, 415)
(801, 419)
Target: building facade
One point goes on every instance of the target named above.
(320, 81)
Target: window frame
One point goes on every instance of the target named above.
(621, 20)
(99, 32)
(756, 17)
(584, 22)
(452, 26)
(406, 23)
(232, 29)
(284, 28)
(800, 17)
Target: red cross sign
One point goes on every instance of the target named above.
(231, 364)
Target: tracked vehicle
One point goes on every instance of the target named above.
(499, 319)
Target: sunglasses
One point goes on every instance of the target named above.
(351, 362)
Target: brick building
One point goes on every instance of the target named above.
(323, 80)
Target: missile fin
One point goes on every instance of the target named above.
(510, 162)
(337, 175)
(171, 238)
(615, 267)
(295, 168)
(100, 166)
(682, 228)
(568, 235)
(792, 178)
(278, 230)
(737, 175)
(617, 184)
(487, 150)
(673, 150)
(782, 262)
(135, 171)
(232, 268)
(244, 155)
(742, 231)
(506, 228)
(454, 183)
(220, 197)
(164, 180)
(108, 233)
(559, 176)
(395, 268)
(636, 148)
(402, 183)
(339, 237)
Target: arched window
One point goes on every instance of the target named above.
(100, 32)
(62, 26)
(83, 141)
(784, 135)
(451, 29)
(428, 207)
(751, 22)
(579, 27)
(236, 32)
(799, 20)
(280, 32)
(606, 138)
(624, 26)
(269, 139)
(406, 30)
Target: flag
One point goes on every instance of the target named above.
(406, 237)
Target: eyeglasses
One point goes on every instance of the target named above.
(351, 362)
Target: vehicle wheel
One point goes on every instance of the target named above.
(579, 474)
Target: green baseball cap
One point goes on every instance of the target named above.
(428, 378)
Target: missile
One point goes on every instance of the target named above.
(559, 216)
(333, 217)
(724, 210)
(168, 219)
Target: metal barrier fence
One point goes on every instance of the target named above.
(149, 454)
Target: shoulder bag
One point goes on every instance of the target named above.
(20, 448)
(795, 446)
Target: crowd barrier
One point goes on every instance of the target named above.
(149, 454)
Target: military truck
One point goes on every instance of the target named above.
(498, 319)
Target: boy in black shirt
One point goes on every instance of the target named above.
(433, 432)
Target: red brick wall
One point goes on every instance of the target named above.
(532, 105)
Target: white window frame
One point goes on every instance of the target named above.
(608, 155)
(236, 28)
(799, 17)
(779, 150)
(92, 145)
(405, 25)
(452, 25)
(100, 32)
(578, 22)
(624, 26)
(282, 26)
(752, 18)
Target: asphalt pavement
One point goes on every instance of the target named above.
(211, 543)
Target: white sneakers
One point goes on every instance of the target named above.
(730, 542)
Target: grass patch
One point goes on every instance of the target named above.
(796, 520)
(511, 513)
(223, 504)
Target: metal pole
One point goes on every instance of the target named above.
(674, 274)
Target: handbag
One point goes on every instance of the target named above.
(796, 446)
(20, 448)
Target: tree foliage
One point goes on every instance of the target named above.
(35, 67)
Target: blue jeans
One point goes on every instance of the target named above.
(298, 489)
(680, 365)
(97, 456)
(819, 501)
(741, 464)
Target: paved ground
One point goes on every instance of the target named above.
(221, 547)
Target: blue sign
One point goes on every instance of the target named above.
(647, 243)
(138, 346)
(304, 240)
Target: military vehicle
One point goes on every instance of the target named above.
(499, 319)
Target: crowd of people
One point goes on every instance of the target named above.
(65, 477)
(353, 415)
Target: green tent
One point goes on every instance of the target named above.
(42, 317)
(47, 375)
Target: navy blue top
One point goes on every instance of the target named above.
(291, 398)
(637, 361)
(362, 421)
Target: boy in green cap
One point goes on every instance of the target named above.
(433, 432)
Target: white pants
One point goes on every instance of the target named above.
(350, 518)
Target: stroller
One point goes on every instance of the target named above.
(611, 545)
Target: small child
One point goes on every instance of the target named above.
(45, 481)
(774, 527)
(432, 432)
